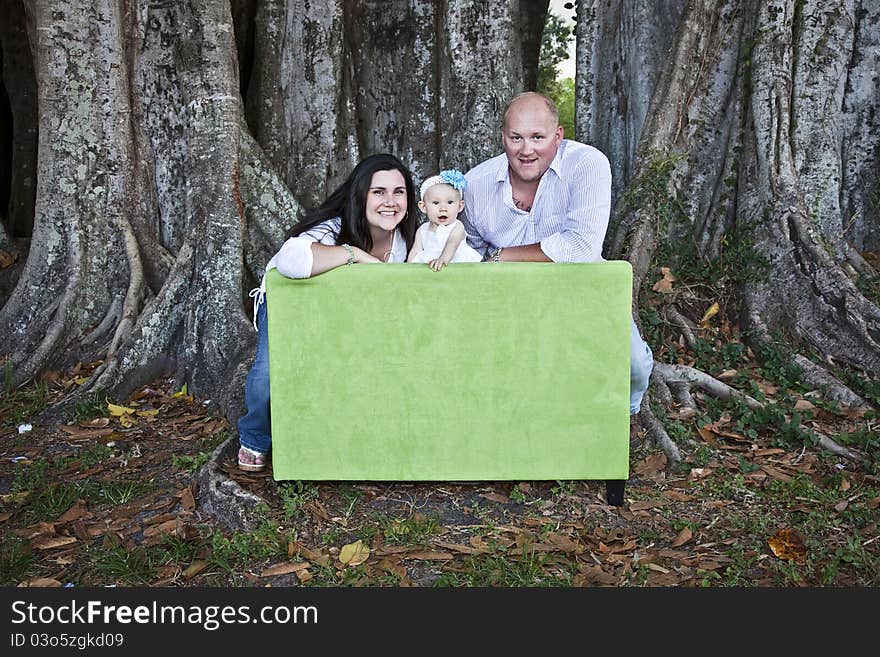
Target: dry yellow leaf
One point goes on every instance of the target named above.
(194, 569)
(787, 544)
(119, 411)
(354, 553)
(710, 313)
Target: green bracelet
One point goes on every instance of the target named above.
(350, 254)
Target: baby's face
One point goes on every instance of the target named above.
(441, 204)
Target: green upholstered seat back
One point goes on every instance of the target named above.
(507, 371)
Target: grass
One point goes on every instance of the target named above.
(413, 530)
(16, 559)
(732, 507)
(20, 405)
(119, 565)
(499, 570)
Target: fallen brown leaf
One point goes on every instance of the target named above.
(169, 527)
(51, 542)
(284, 568)
(73, 513)
(7, 259)
(654, 463)
(187, 500)
(593, 575)
(41, 582)
(678, 497)
(194, 569)
(461, 548)
(683, 537)
(428, 555)
(647, 504)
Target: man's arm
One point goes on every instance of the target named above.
(525, 253)
(472, 234)
(586, 218)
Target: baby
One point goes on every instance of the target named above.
(441, 239)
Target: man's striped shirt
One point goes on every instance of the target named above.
(569, 215)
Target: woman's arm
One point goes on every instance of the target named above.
(325, 258)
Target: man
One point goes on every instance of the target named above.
(545, 199)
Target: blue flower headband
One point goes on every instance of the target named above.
(452, 177)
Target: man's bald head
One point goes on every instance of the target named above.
(530, 101)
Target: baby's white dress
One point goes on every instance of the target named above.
(433, 242)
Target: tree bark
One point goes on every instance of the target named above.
(745, 134)
(17, 172)
(161, 198)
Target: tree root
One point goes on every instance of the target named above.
(657, 434)
(677, 319)
(688, 376)
(818, 377)
(673, 383)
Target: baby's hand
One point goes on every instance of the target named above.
(438, 263)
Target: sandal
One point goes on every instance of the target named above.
(250, 460)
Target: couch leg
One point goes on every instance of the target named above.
(614, 491)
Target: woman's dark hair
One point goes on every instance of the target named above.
(348, 202)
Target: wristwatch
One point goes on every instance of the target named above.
(494, 254)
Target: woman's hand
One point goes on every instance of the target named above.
(362, 256)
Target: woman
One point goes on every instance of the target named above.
(371, 217)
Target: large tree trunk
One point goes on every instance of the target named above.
(161, 198)
(762, 126)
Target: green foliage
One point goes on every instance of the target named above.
(190, 463)
(16, 559)
(263, 543)
(22, 404)
(91, 406)
(52, 501)
(529, 569)
(554, 50)
(30, 476)
(295, 495)
(518, 495)
(121, 492)
(119, 564)
(414, 530)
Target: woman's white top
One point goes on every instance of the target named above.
(294, 259)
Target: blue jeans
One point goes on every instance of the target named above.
(254, 427)
(640, 366)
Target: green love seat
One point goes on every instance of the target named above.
(501, 371)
